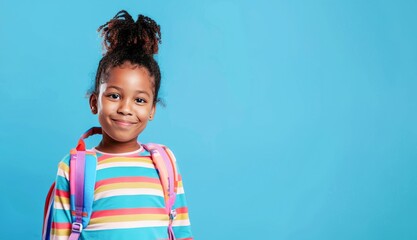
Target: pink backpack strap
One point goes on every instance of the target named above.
(169, 179)
(77, 170)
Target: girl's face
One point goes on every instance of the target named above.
(124, 105)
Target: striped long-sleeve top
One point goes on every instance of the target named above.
(128, 201)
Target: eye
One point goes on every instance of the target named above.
(140, 100)
(113, 96)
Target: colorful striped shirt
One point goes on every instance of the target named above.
(128, 201)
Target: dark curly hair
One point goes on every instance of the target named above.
(127, 40)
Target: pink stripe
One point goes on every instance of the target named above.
(127, 211)
(181, 210)
(126, 179)
(61, 193)
(61, 225)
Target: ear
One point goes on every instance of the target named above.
(93, 103)
(152, 112)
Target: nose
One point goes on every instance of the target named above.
(124, 107)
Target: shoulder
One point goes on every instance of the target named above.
(158, 146)
(63, 167)
(65, 161)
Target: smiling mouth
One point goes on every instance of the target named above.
(123, 123)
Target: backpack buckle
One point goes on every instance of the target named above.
(77, 227)
(172, 214)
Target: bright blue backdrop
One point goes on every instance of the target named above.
(290, 119)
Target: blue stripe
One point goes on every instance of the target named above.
(180, 201)
(61, 216)
(130, 201)
(62, 184)
(115, 172)
(182, 231)
(153, 233)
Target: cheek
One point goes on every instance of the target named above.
(105, 107)
(143, 113)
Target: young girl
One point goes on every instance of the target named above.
(128, 195)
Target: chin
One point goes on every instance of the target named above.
(122, 138)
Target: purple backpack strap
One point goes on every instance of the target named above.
(78, 164)
(166, 169)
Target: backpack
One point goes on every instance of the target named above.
(82, 179)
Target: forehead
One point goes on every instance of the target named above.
(130, 77)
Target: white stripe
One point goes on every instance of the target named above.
(128, 191)
(128, 224)
(125, 164)
(63, 206)
(119, 154)
(181, 223)
(62, 173)
(180, 190)
(55, 237)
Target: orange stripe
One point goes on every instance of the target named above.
(61, 232)
(105, 157)
(127, 185)
(127, 211)
(126, 179)
(74, 151)
(62, 200)
(73, 213)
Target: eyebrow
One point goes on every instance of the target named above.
(120, 89)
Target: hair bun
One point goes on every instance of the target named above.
(122, 32)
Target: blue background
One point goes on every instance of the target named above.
(290, 119)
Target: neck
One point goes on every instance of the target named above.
(108, 145)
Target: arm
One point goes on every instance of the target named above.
(61, 216)
(181, 224)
